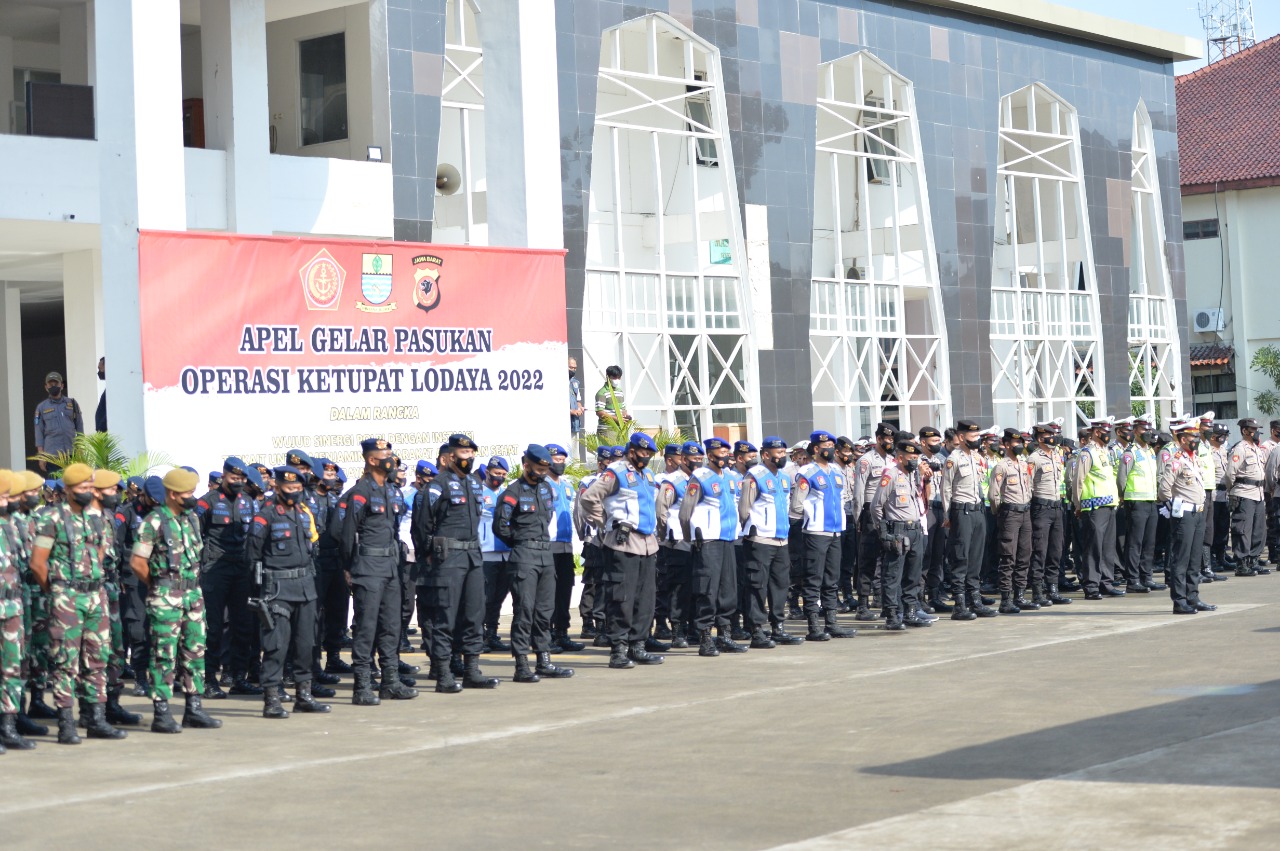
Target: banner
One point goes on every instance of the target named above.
(252, 346)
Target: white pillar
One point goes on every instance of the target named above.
(7, 94)
(73, 44)
(13, 443)
(82, 323)
(142, 179)
(520, 92)
(233, 45)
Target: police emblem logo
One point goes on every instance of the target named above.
(375, 283)
(820, 481)
(715, 487)
(322, 280)
(631, 478)
(426, 281)
(769, 485)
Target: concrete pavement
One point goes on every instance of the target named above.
(1108, 723)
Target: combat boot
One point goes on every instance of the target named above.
(161, 720)
(863, 612)
(196, 718)
(893, 620)
(335, 665)
(140, 685)
(833, 627)
(551, 671)
(458, 666)
(271, 705)
(524, 674)
(816, 631)
(760, 640)
(493, 643)
(445, 682)
(306, 702)
(653, 645)
(117, 714)
(9, 736)
(320, 677)
(707, 644)
(588, 628)
(213, 691)
(938, 603)
(602, 640)
(318, 690)
(641, 656)
(1021, 601)
(781, 636)
(27, 727)
(917, 619)
(726, 644)
(961, 611)
(240, 685)
(394, 688)
(1038, 596)
(38, 708)
(1056, 598)
(474, 677)
(794, 611)
(67, 734)
(737, 633)
(661, 630)
(362, 692)
(618, 658)
(979, 608)
(562, 642)
(679, 635)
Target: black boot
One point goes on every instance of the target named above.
(565, 644)
(443, 675)
(864, 612)
(394, 686)
(213, 691)
(335, 665)
(661, 630)
(760, 640)
(917, 618)
(588, 629)
(140, 683)
(271, 705)
(553, 672)
(618, 657)
(638, 654)
(833, 627)
(816, 631)
(1021, 601)
(737, 633)
(318, 690)
(306, 702)
(38, 708)
(980, 608)
(601, 640)
(893, 620)
(961, 611)
(458, 666)
(1038, 597)
(493, 643)
(196, 718)
(939, 604)
(161, 720)
(362, 693)
(1007, 606)
(117, 714)
(9, 736)
(525, 674)
(707, 644)
(725, 642)
(320, 677)
(67, 734)
(27, 727)
(240, 685)
(679, 636)
(781, 636)
(474, 677)
(1054, 597)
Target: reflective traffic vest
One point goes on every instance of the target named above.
(1099, 488)
(679, 482)
(1141, 484)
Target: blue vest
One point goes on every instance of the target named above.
(488, 502)
(635, 501)
(770, 513)
(824, 501)
(562, 525)
(679, 482)
(716, 514)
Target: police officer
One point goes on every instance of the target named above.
(764, 509)
(935, 551)
(622, 506)
(493, 552)
(446, 526)
(847, 457)
(1273, 492)
(662, 602)
(371, 555)
(591, 603)
(1010, 496)
(1047, 518)
(526, 511)
(674, 550)
(58, 420)
(866, 480)
(279, 551)
(962, 500)
(1094, 497)
(1245, 479)
(562, 549)
(1136, 478)
(709, 521)
(224, 515)
(1181, 494)
(898, 515)
(817, 499)
(133, 598)
(331, 586)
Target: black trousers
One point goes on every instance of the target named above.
(377, 624)
(661, 601)
(1014, 536)
(676, 586)
(326, 579)
(900, 572)
(497, 584)
(1183, 574)
(1219, 534)
(335, 600)
(225, 587)
(133, 620)
(627, 585)
(292, 639)
(533, 598)
(849, 555)
(455, 602)
(768, 576)
(868, 567)
(1210, 530)
(1047, 522)
(1098, 524)
(1140, 547)
(968, 541)
(935, 554)
(795, 543)
(591, 602)
(408, 588)
(564, 568)
(1248, 527)
(1273, 527)
(740, 575)
(822, 571)
(715, 584)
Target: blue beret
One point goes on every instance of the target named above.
(215, 476)
(537, 454)
(190, 469)
(233, 465)
(56, 485)
(296, 458)
(342, 477)
(557, 449)
(426, 468)
(691, 447)
(255, 479)
(499, 461)
(136, 481)
(154, 488)
(604, 453)
(670, 449)
(483, 471)
(287, 473)
(461, 441)
(716, 443)
(617, 451)
(742, 446)
(373, 444)
(640, 440)
(821, 436)
(321, 463)
(773, 443)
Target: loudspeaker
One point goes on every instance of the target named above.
(448, 180)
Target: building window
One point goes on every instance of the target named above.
(461, 203)
(1200, 229)
(322, 80)
(22, 76)
(1221, 410)
(1203, 385)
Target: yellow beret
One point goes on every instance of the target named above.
(179, 480)
(105, 479)
(32, 481)
(76, 474)
(18, 483)
(6, 479)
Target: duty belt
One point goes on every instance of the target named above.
(1016, 507)
(1221, 487)
(533, 545)
(966, 506)
(379, 551)
(297, 573)
(87, 586)
(1096, 502)
(176, 583)
(903, 525)
(1041, 502)
(455, 544)
(1251, 483)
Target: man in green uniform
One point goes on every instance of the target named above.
(106, 490)
(166, 557)
(11, 681)
(24, 499)
(611, 406)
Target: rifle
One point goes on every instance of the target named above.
(259, 604)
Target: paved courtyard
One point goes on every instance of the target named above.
(1109, 724)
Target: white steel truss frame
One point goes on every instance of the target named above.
(462, 92)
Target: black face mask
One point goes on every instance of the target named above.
(827, 453)
(536, 478)
(110, 500)
(557, 467)
(933, 448)
(55, 390)
(233, 488)
(464, 464)
(288, 498)
(1193, 444)
(387, 465)
(572, 373)
(495, 482)
(83, 499)
(973, 444)
(718, 463)
(910, 465)
(32, 501)
(188, 503)
(748, 464)
(1017, 448)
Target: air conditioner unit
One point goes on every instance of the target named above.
(1209, 320)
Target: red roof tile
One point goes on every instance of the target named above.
(1212, 354)
(1229, 119)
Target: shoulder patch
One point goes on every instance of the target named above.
(1128, 457)
(358, 498)
(1235, 458)
(885, 479)
(509, 498)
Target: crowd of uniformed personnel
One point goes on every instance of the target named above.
(262, 582)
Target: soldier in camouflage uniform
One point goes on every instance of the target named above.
(35, 608)
(166, 558)
(66, 557)
(11, 680)
(106, 491)
(24, 498)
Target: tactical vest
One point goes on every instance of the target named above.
(634, 502)
(1099, 488)
(716, 514)
(1141, 484)
(824, 501)
(770, 511)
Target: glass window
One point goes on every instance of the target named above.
(1202, 384)
(1200, 229)
(322, 80)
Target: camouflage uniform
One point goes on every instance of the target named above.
(115, 649)
(35, 604)
(79, 629)
(11, 628)
(171, 545)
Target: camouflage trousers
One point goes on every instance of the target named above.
(79, 646)
(11, 635)
(35, 624)
(118, 654)
(177, 641)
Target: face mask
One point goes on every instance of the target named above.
(910, 465)
(288, 498)
(537, 478)
(233, 488)
(110, 501)
(557, 467)
(1193, 444)
(32, 501)
(638, 460)
(752, 463)
(1018, 448)
(972, 444)
(826, 453)
(387, 464)
(55, 390)
(933, 448)
(102, 375)
(572, 373)
(495, 482)
(188, 503)
(464, 464)
(717, 462)
(83, 499)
